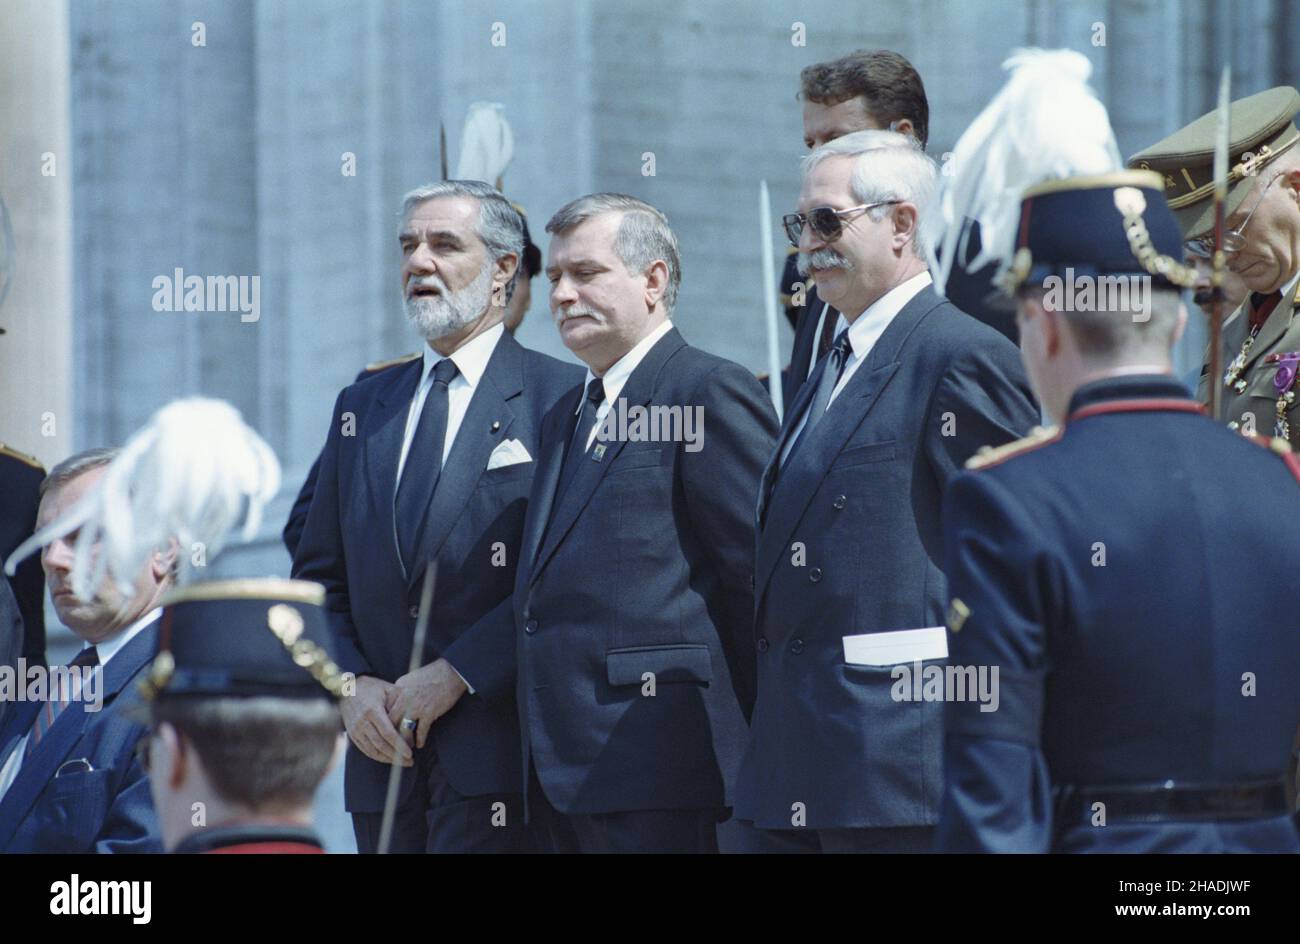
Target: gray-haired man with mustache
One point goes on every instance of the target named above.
(848, 586)
(429, 462)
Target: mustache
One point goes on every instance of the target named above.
(576, 311)
(426, 281)
(821, 259)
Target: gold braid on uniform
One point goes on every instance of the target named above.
(286, 623)
(1131, 204)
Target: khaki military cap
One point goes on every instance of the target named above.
(1260, 129)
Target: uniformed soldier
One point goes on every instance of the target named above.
(1261, 340)
(243, 706)
(1118, 580)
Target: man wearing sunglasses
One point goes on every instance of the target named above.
(865, 90)
(848, 581)
(1261, 340)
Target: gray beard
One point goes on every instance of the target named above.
(437, 316)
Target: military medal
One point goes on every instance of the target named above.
(1283, 381)
(1232, 378)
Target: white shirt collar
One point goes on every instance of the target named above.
(870, 325)
(616, 377)
(1288, 290)
(111, 647)
(470, 359)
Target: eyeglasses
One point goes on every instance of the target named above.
(1203, 246)
(826, 222)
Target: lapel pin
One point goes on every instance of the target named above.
(599, 452)
(496, 424)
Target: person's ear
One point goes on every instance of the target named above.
(163, 564)
(168, 754)
(656, 282)
(906, 222)
(503, 270)
(1054, 329)
(903, 126)
(1291, 181)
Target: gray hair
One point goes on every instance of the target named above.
(889, 166)
(644, 236)
(499, 224)
(75, 466)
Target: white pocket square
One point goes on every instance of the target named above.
(510, 452)
(903, 645)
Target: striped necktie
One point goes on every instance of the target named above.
(69, 688)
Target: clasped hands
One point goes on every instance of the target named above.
(373, 714)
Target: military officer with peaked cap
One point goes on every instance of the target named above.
(1147, 665)
(242, 699)
(1261, 341)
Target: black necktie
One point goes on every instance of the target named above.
(839, 356)
(423, 464)
(581, 432)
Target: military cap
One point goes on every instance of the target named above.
(239, 638)
(1260, 128)
(1115, 224)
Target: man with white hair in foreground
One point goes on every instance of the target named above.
(848, 578)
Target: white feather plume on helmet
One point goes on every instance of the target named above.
(1046, 123)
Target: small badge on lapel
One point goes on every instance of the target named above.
(496, 424)
(958, 612)
(599, 452)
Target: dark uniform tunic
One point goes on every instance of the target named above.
(1133, 579)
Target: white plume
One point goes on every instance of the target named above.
(1045, 124)
(196, 472)
(486, 143)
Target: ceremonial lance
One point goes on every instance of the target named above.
(417, 650)
(1216, 278)
(769, 299)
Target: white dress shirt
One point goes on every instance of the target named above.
(471, 361)
(616, 377)
(105, 650)
(863, 335)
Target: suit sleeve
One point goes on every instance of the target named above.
(484, 654)
(997, 791)
(721, 482)
(320, 556)
(983, 399)
(131, 824)
(293, 528)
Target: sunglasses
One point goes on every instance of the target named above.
(1203, 246)
(826, 222)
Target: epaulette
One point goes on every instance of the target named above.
(1282, 448)
(384, 365)
(992, 455)
(22, 457)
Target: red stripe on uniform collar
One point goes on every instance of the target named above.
(1158, 404)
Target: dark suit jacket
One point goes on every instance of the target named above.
(297, 520)
(106, 808)
(1124, 578)
(851, 543)
(644, 565)
(477, 516)
(11, 640)
(20, 483)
